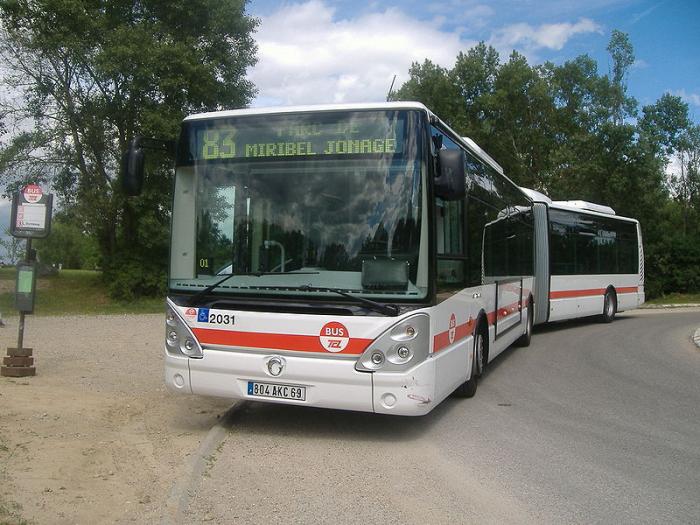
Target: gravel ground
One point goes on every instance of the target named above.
(95, 437)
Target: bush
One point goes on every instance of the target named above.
(128, 279)
(673, 265)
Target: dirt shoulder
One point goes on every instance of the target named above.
(95, 437)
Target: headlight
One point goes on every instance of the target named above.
(179, 339)
(399, 348)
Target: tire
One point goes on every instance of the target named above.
(479, 351)
(524, 340)
(609, 307)
(468, 388)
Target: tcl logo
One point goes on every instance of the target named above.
(334, 337)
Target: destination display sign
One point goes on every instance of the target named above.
(249, 137)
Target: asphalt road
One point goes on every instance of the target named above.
(592, 423)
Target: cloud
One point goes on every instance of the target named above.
(528, 39)
(307, 55)
(691, 98)
(466, 14)
(638, 16)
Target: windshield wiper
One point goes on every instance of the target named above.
(386, 309)
(194, 299)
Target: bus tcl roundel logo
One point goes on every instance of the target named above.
(32, 193)
(334, 337)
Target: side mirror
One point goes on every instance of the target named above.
(132, 168)
(450, 183)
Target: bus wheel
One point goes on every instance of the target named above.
(609, 307)
(468, 388)
(524, 340)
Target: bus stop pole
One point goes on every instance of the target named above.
(20, 334)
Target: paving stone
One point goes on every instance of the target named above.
(16, 352)
(18, 361)
(17, 371)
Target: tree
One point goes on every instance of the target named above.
(664, 123)
(13, 247)
(474, 76)
(67, 246)
(685, 181)
(519, 115)
(622, 54)
(94, 75)
(430, 84)
(576, 134)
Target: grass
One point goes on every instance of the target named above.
(71, 292)
(676, 298)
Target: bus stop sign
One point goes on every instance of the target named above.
(31, 213)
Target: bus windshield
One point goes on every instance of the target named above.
(292, 204)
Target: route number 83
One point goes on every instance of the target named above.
(218, 145)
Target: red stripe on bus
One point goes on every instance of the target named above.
(567, 294)
(491, 318)
(462, 331)
(505, 311)
(292, 342)
(442, 340)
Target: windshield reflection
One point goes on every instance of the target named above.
(330, 215)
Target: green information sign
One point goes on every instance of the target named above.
(25, 280)
(26, 286)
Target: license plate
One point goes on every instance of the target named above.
(296, 393)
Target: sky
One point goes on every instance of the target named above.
(326, 51)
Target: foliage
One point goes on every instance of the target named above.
(74, 292)
(13, 247)
(676, 299)
(67, 246)
(93, 76)
(573, 133)
(675, 264)
(430, 84)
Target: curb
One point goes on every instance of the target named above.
(185, 488)
(696, 338)
(648, 306)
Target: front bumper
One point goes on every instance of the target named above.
(330, 382)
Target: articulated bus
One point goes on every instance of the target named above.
(359, 257)
(589, 261)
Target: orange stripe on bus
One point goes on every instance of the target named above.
(292, 342)
(567, 294)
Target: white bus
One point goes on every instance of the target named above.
(360, 257)
(589, 261)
